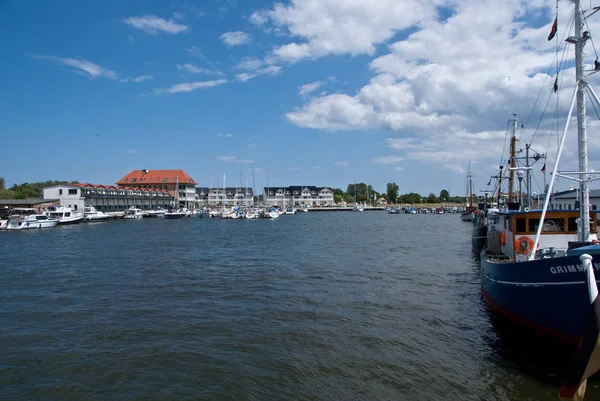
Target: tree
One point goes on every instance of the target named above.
(2, 183)
(432, 198)
(392, 192)
(444, 196)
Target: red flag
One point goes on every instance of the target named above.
(544, 168)
(553, 30)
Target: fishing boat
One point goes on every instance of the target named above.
(530, 269)
(470, 207)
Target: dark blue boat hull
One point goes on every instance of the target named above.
(549, 295)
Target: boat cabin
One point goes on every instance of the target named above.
(511, 234)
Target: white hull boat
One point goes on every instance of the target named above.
(64, 215)
(133, 213)
(23, 222)
(90, 214)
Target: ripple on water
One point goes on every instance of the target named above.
(317, 306)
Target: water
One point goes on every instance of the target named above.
(317, 306)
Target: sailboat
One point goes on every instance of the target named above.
(357, 207)
(470, 207)
(530, 269)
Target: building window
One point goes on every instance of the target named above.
(72, 192)
(125, 180)
(60, 191)
(133, 180)
(165, 179)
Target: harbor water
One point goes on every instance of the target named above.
(315, 306)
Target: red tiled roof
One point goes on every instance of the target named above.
(143, 177)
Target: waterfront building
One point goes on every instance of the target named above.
(178, 183)
(108, 198)
(301, 195)
(568, 200)
(229, 196)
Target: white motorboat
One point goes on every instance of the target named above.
(133, 213)
(252, 214)
(22, 221)
(91, 214)
(178, 213)
(64, 215)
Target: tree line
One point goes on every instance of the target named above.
(27, 190)
(364, 192)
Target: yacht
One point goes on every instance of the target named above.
(64, 215)
(22, 219)
(91, 214)
(133, 213)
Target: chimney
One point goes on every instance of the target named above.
(145, 171)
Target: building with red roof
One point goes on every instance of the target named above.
(178, 183)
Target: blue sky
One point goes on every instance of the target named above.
(329, 91)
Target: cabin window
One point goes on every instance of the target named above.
(559, 206)
(593, 207)
(521, 225)
(573, 223)
(60, 191)
(72, 192)
(569, 206)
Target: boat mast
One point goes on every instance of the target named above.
(513, 160)
(584, 196)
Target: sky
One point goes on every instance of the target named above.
(296, 92)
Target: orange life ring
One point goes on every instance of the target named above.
(524, 245)
(503, 237)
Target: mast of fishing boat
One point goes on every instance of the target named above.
(513, 160)
(584, 202)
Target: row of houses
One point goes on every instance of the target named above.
(150, 189)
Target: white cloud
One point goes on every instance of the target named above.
(396, 168)
(244, 76)
(250, 64)
(154, 25)
(235, 38)
(178, 15)
(323, 27)
(81, 66)
(343, 164)
(388, 159)
(251, 145)
(141, 78)
(198, 70)
(311, 87)
(234, 159)
(270, 70)
(131, 151)
(194, 51)
(190, 86)
(295, 168)
(224, 135)
(442, 92)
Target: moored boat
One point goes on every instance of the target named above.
(91, 214)
(25, 218)
(530, 269)
(64, 215)
(133, 213)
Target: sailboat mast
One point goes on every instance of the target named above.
(513, 160)
(583, 195)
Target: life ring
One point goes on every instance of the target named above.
(503, 237)
(524, 245)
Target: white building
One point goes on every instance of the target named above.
(298, 196)
(567, 200)
(108, 198)
(68, 194)
(229, 196)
